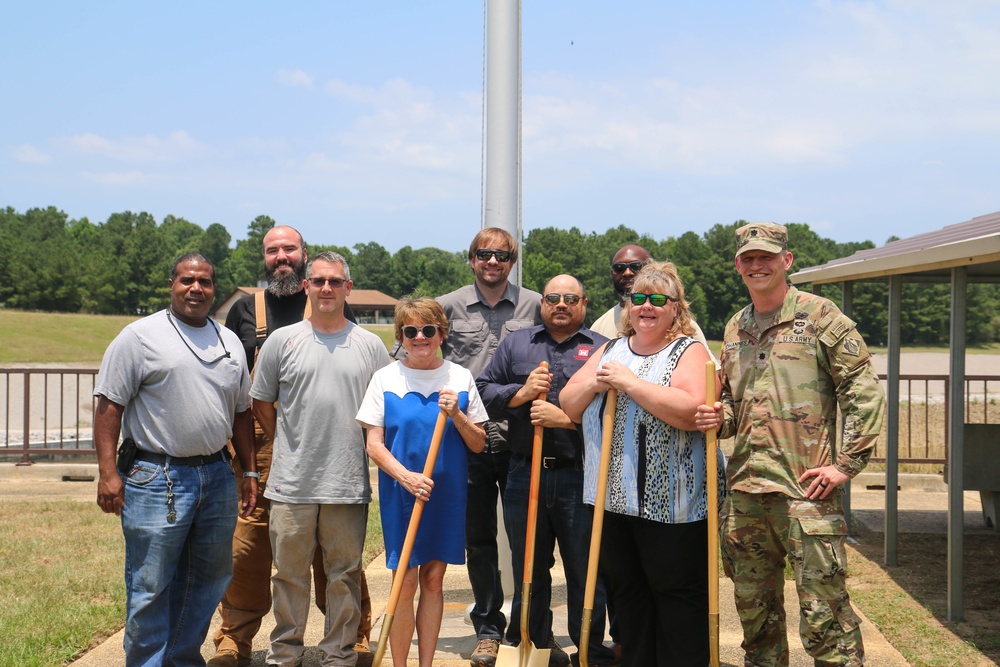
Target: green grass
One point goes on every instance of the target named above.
(61, 580)
(55, 338)
(62, 587)
(27, 337)
(384, 331)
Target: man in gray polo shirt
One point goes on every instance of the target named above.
(479, 317)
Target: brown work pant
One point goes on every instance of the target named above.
(248, 598)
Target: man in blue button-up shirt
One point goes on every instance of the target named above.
(510, 386)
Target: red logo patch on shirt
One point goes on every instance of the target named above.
(583, 352)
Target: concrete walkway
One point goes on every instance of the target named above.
(457, 639)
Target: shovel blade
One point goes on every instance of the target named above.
(525, 655)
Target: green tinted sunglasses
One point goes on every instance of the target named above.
(639, 298)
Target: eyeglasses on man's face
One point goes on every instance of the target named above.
(428, 330)
(484, 254)
(570, 299)
(335, 283)
(639, 298)
(634, 267)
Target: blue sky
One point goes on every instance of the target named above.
(362, 121)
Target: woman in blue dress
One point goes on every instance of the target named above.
(399, 412)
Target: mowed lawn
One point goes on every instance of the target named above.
(75, 338)
(62, 589)
(48, 338)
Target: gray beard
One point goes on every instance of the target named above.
(285, 284)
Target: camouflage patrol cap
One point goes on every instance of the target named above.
(766, 236)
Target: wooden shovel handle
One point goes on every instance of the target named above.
(607, 434)
(529, 536)
(712, 479)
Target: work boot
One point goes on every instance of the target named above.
(227, 657)
(557, 656)
(485, 654)
(365, 655)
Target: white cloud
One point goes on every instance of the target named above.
(127, 179)
(30, 155)
(295, 78)
(175, 147)
(868, 75)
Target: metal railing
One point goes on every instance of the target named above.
(47, 411)
(50, 411)
(924, 414)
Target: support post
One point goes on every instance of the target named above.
(956, 455)
(892, 430)
(502, 205)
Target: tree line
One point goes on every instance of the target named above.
(53, 263)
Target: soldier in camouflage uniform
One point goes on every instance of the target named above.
(789, 359)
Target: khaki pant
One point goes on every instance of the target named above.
(296, 531)
(248, 598)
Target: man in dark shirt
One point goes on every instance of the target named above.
(510, 386)
(248, 598)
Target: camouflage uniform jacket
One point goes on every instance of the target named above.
(780, 390)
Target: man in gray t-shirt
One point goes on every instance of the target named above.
(479, 317)
(317, 371)
(175, 385)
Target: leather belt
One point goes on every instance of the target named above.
(552, 462)
(161, 459)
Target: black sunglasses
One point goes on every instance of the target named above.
(428, 330)
(335, 283)
(484, 254)
(638, 298)
(570, 299)
(634, 267)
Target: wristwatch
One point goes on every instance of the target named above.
(255, 475)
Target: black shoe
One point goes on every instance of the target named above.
(557, 656)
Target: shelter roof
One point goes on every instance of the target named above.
(974, 244)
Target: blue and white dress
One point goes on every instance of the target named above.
(657, 471)
(404, 401)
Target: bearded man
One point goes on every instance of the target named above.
(248, 599)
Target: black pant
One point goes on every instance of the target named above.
(659, 579)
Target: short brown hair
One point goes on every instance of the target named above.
(493, 237)
(661, 277)
(420, 309)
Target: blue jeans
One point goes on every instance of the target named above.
(175, 572)
(487, 477)
(562, 518)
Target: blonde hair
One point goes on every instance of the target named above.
(420, 309)
(661, 278)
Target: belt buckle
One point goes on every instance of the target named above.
(546, 460)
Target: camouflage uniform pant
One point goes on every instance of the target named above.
(758, 531)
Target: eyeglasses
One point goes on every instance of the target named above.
(428, 330)
(484, 254)
(634, 267)
(570, 299)
(638, 298)
(335, 283)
